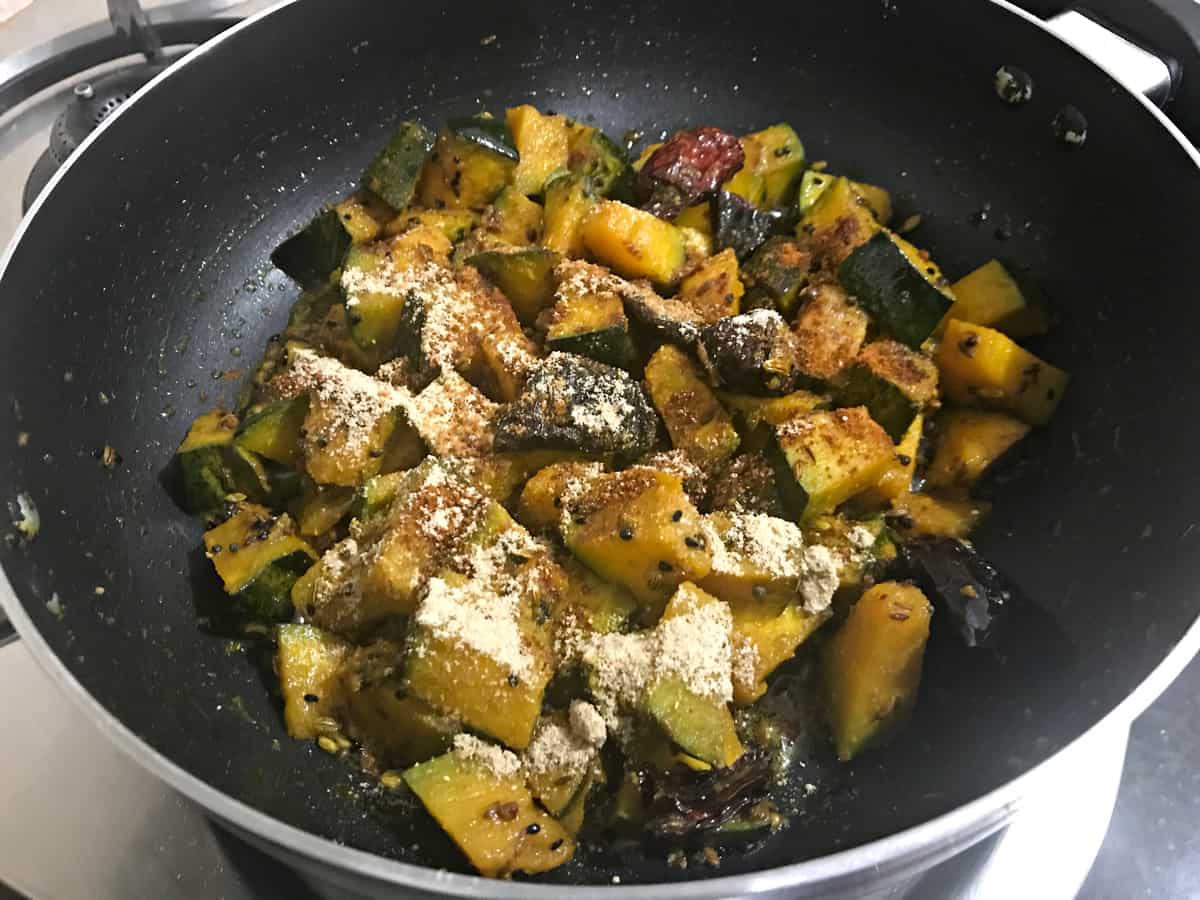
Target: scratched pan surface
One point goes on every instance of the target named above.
(144, 277)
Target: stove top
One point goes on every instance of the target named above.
(83, 821)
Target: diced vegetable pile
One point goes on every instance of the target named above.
(561, 456)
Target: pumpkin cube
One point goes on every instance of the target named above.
(695, 419)
(634, 243)
(893, 382)
(759, 561)
(637, 528)
(968, 443)
(824, 458)
(541, 143)
(489, 814)
(992, 296)
(767, 638)
(984, 368)
(873, 666)
(714, 289)
(307, 661)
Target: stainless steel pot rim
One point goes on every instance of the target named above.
(904, 853)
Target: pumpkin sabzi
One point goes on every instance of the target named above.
(561, 457)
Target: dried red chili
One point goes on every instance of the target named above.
(687, 169)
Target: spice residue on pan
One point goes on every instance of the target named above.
(1070, 126)
(1013, 85)
(26, 518)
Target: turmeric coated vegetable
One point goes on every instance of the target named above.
(571, 475)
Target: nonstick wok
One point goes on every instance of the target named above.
(139, 288)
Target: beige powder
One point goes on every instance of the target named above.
(587, 723)
(694, 646)
(745, 660)
(476, 617)
(356, 401)
(768, 543)
(453, 417)
(566, 747)
(500, 762)
(822, 572)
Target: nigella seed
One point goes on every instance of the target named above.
(557, 844)
(677, 515)
(581, 520)
(626, 533)
(759, 591)
(664, 566)
(311, 698)
(513, 681)
(533, 828)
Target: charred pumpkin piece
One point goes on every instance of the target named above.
(740, 226)
(573, 403)
(753, 353)
(776, 273)
(471, 162)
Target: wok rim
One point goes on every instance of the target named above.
(904, 853)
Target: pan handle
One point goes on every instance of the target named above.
(1147, 45)
(129, 19)
(1139, 69)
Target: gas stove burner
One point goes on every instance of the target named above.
(92, 103)
(129, 29)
